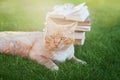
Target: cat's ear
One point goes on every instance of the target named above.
(50, 22)
(51, 25)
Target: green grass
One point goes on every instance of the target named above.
(101, 49)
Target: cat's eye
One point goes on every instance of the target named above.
(69, 41)
(63, 38)
(52, 36)
(47, 41)
(49, 38)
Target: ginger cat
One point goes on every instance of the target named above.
(55, 44)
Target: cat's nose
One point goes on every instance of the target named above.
(56, 44)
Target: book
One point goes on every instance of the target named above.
(64, 21)
(79, 41)
(61, 11)
(50, 15)
(79, 7)
(83, 28)
(67, 14)
(80, 15)
(79, 38)
(85, 23)
(80, 26)
(79, 35)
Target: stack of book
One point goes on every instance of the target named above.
(68, 13)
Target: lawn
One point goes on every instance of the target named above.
(101, 49)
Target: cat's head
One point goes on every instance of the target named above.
(59, 37)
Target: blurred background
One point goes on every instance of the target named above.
(29, 15)
(101, 49)
(26, 15)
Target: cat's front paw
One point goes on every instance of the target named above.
(80, 61)
(83, 62)
(55, 68)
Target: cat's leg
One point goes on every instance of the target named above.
(78, 60)
(46, 62)
(73, 58)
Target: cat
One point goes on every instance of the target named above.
(46, 48)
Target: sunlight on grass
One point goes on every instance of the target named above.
(26, 15)
(101, 49)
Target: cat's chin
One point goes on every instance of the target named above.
(62, 48)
